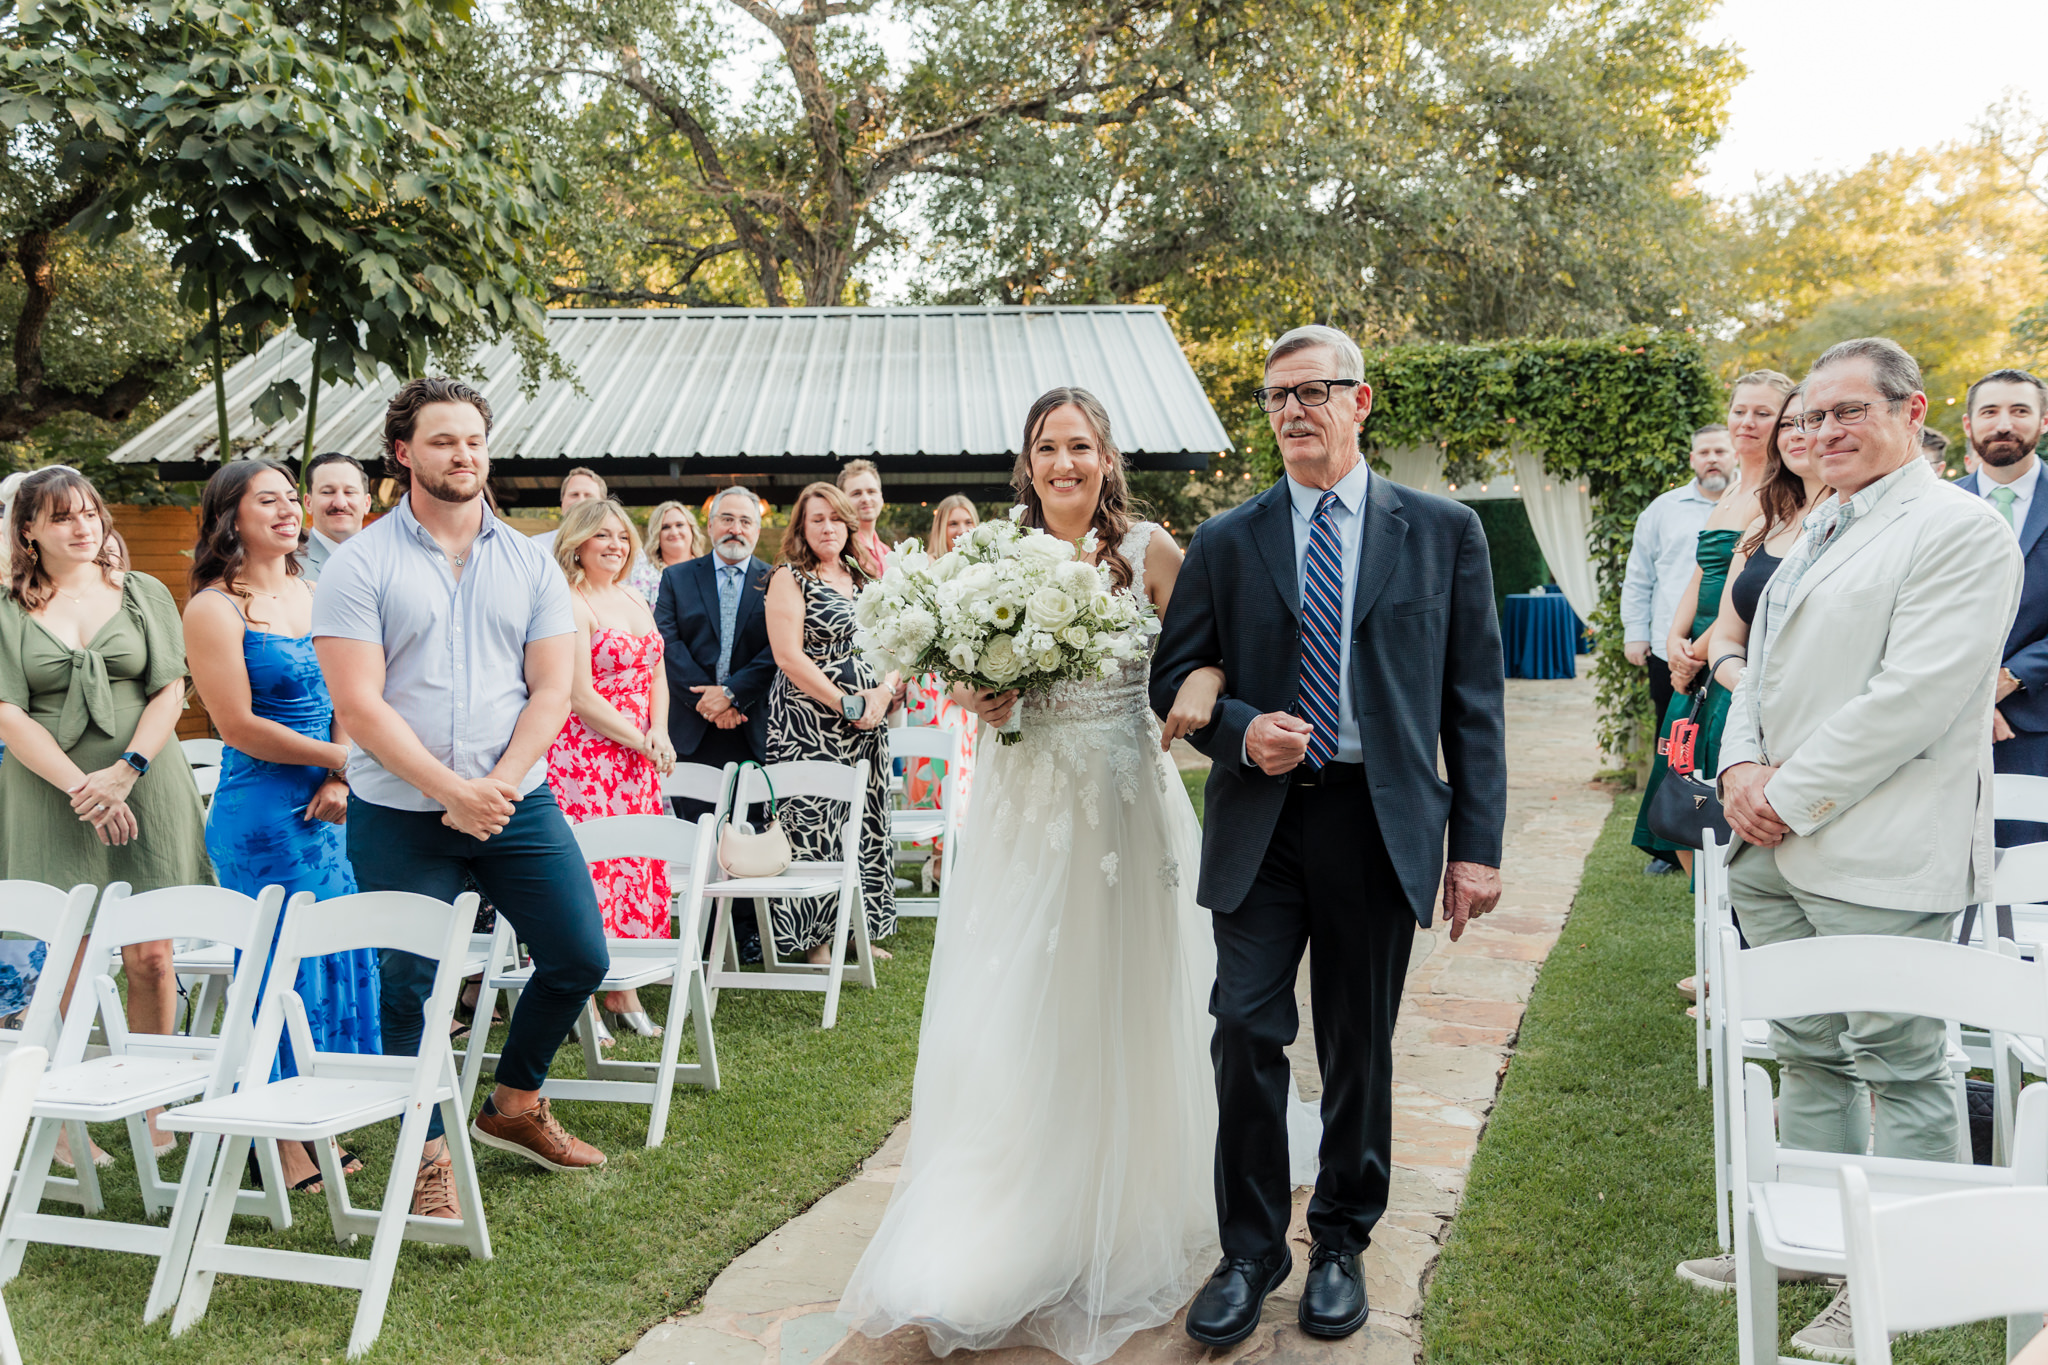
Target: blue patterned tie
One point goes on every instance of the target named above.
(1322, 630)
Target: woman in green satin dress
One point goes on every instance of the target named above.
(94, 787)
(1716, 550)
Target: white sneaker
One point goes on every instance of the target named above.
(1829, 1336)
(1716, 1274)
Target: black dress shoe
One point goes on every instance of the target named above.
(1227, 1308)
(1333, 1302)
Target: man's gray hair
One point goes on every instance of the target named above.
(1350, 360)
(735, 491)
(1896, 372)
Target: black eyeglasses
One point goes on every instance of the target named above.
(1312, 394)
(1848, 414)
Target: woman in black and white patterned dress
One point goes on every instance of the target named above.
(827, 705)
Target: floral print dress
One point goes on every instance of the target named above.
(594, 776)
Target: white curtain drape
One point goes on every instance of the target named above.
(1562, 516)
(1418, 467)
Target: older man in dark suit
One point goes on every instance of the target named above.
(1354, 623)
(2006, 414)
(712, 614)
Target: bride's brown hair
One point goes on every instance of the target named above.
(1113, 510)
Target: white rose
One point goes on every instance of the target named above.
(982, 534)
(1049, 661)
(1050, 608)
(1102, 606)
(961, 656)
(1107, 668)
(1076, 637)
(1049, 548)
(1000, 661)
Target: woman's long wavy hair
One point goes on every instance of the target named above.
(28, 496)
(1113, 510)
(1782, 495)
(796, 547)
(220, 554)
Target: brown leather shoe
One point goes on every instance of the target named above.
(536, 1136)
(433, 1189)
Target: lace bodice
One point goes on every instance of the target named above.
(1120, 701)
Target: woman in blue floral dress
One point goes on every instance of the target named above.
(277, 813)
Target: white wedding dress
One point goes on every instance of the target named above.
(1058, 1188)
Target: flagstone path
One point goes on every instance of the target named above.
(1459, 1016)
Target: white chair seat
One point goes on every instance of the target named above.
(624, 973)
(906, 826)
(1807, 1218)
(211, 959)
(801, 879)
(106, 1088)
(299, 1108)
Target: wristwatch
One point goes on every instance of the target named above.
(728, 693)
(2009, 676)
(136, 761)
(853, 705)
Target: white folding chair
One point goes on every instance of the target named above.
(2019, 796)
(696, 782)
(1786, 1212)
(1941, 1260)
(202, 753)
(338, 1092)
(837, 782)
(58, 918)
(18, 1080)
(635, 962)
(923, 826)
(139, 1072)
(2015, 921)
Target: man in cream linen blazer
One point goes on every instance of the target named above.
(1856, 763)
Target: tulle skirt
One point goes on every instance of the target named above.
(1057, 1190)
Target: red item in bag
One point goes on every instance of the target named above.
(1678, 750)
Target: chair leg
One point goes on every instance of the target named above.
(27, 1195)
(10, 1353)
(202, 1150)
(412, 1136)
(479, 1034)
(82, 1167)
(1756, 1301)
(277, 1202)
(462, 1156)
(334, 1185)
(679, 1008)
(835, 972)
(157, 1196)
(700, 1011)
(213, 1232)
(1722, 1154)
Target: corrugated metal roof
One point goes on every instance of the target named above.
(726, 384)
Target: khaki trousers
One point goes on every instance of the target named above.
(1826, 1060)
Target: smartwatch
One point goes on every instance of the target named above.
(136, 761)
(853, 705)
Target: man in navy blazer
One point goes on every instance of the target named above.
(2004, 418)
(1354, 624)
(712, 614)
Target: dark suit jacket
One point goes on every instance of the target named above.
(1425, 667)
(686, 613)
(2026, 648)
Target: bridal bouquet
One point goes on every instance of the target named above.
(1006, 608)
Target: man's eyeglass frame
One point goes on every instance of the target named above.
(1847, 414)
(1274, 400)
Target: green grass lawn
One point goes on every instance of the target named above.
(1593, 1181)
(584, 1263)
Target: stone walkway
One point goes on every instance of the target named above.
(1460, 1013)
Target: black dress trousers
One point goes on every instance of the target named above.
(1326, 884)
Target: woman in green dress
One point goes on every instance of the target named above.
(92, 668)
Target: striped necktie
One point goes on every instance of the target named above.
(1322, 630)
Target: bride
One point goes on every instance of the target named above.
(1058, 1187)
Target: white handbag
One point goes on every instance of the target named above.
(745, 853)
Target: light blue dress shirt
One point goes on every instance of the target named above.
(454, 650)
(1350, 515)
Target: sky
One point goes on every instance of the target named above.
(1832, 82)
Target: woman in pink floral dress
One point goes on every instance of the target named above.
(609, 758)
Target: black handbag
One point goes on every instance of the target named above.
(1684, 807)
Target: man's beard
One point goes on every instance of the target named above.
(2001, 451)
(732, 551)
(447, 492)
(1714, 482)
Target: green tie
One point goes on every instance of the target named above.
(2005, 498)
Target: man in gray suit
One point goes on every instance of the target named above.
(1354, 623)
(1856, 763)
(337, 501)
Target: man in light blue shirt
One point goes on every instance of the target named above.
(448, 643)
(1665, 552)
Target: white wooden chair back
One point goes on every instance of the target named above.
(940, 743)
(1941, 1260)
(203, 753)
(805, 777)
(2019, 796)
(1885, 974)
(207, 779)
(2021, 877)
(208, 912)
(696, 782)
(636, 836)
(18, 1080)
(58, 918)
(925, 741)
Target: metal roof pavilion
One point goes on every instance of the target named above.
(679, 399)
